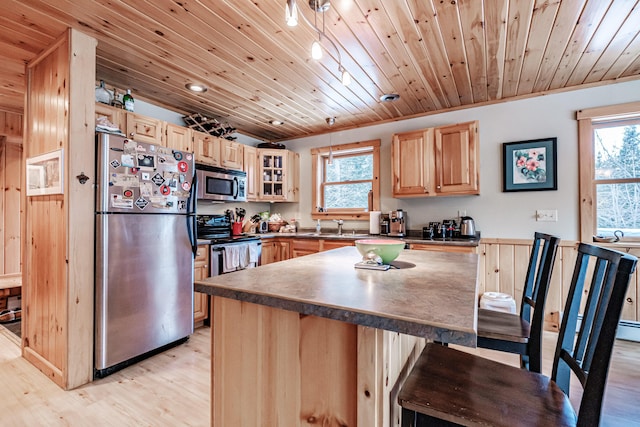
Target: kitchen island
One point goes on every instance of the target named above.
(314, 341)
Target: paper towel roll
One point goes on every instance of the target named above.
(374, 222)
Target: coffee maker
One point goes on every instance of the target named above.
(397, 223)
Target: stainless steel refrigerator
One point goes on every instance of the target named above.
(145, 246)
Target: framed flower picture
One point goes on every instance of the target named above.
(530, 165)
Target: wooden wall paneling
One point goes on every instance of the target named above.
(492, 268)
(79, 214)
(370, 384)
(12, 171)
(521, 255)
(44, 325)
(507, 277)
(3, 168)
(335, 380)
(482, 255)
(10, 123)
(58, 291)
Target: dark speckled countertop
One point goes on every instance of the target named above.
(421, 297)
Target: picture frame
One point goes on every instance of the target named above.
(45, 174)
(530, 165)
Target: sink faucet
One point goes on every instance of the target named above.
(340, 223)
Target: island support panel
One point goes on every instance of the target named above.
(277, 367)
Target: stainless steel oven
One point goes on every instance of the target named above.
(228, 253)
(219, 184)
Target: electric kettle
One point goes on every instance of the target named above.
(467, 227)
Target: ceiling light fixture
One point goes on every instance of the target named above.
(276, 122)
(195, 87)
(318, 6)
(330, 121)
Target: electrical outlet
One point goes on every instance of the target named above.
(547, 215)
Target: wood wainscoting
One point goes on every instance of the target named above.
(503, 266)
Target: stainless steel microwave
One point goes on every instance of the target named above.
(221, 184)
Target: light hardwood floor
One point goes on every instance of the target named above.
(169, 389)
(172, 389)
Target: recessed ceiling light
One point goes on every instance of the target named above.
(276, 122)
(195, 87)
(387, 97)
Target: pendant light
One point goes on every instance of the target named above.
(330, 121)
(291, 13)
(318, 6)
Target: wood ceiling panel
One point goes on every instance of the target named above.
(606, 31)
(544, 14)
(436, 55)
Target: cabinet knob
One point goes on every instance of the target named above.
(630, 300)
(438, 187)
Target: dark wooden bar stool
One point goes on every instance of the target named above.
(522, 334)
(450, 387)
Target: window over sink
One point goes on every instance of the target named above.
(346, 182)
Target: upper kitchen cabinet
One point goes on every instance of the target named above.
(437, 161)
(231, 153)
(117, 116)
(179, 138)
(278, 176)
(207, 148)
(145, 129)
(250, 166)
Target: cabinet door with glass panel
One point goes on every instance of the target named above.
(273, 172)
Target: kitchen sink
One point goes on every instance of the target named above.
(346, 235)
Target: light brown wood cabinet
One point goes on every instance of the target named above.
(117, 116)
(444, 248)
(302, 247)
(200, 271)
(326, 245)
(231, 154)
(250, 166)
(278, 175)
(179, 138)
(146, 129)
(436, 161)
(274, 250)
(207, 148)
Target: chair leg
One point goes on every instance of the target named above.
(524, 361)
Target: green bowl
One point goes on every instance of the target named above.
(387, 249)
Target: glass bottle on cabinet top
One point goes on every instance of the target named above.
(272, 164)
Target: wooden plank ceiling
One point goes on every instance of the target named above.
(436, 54)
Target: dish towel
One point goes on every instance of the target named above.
(243, 256)
(254, 253)
(230, 258)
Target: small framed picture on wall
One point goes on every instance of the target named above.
(529, 165)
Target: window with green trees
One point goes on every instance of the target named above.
(617, 176)
(346, 180)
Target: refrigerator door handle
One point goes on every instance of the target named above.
(192, 200)
(192, 231)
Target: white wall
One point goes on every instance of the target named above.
(497, 214)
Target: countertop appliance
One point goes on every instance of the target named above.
(397, 223)
(467, 227)
(145, 244)
(219, 184)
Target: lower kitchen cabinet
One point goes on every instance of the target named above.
(302, 247)
(200, 271)
(274, 250)
(444, 248)
(334, 244)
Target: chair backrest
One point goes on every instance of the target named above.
(606, 274)
(536, 287)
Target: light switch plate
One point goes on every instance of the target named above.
(547, 215)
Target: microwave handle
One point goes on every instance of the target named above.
(236, 185)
